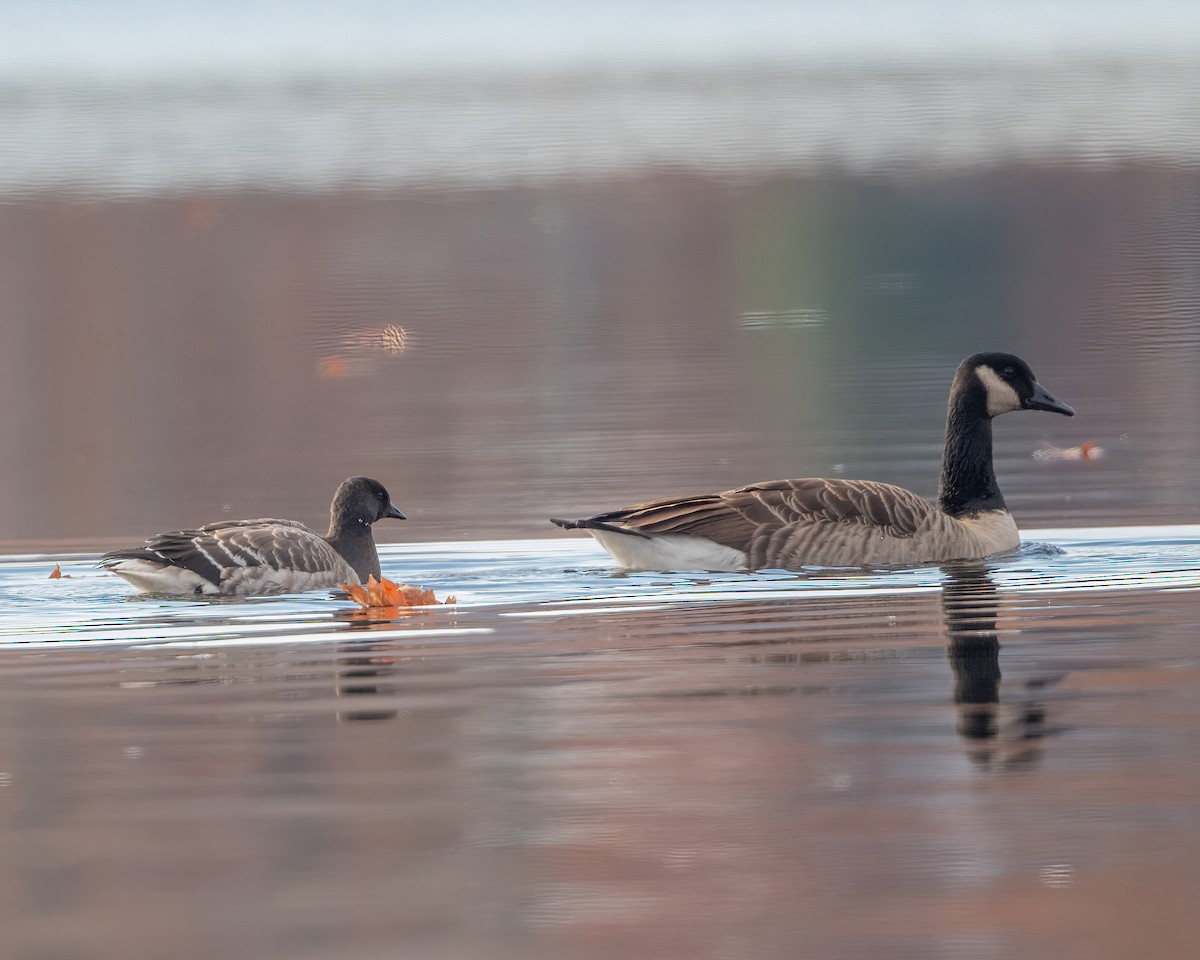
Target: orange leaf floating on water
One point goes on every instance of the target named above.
(1085, 451)
(332, 367)
(386, 593)
(57, 573)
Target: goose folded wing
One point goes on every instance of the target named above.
(215, 548)
(733, 517)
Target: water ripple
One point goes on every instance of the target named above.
(567, 577)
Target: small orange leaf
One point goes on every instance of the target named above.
(1085, 451)
(57, 574)
(332, 367)
(357, 593)
(450, 600)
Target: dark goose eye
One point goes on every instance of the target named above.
(1008, 373)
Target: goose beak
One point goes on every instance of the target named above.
(394, 514)
(1042, 400)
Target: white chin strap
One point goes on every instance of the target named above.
(1001, 398)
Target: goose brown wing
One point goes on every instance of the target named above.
(215, 549)
(734, 517)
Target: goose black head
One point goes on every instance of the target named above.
(1000, 383)
(361, 500)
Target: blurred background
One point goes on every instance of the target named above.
(530, 259)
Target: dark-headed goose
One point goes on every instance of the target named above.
(256, 557)
(787, 524)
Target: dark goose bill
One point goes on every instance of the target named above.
(1042, 400)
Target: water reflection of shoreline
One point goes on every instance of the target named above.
(168, 134)
(1004, 734)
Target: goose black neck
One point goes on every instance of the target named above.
(354, 542)
(968, 484)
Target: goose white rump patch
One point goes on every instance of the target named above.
(170, 580)
(669, 552)
(151, 577)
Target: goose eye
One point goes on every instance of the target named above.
(1008, 373)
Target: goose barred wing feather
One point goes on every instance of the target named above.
(250, 555)
(730, 516)
(780, 523)
(896, 512)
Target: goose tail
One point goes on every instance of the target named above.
(592, 523)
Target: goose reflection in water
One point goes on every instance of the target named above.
(363, 670)
(1005, 735)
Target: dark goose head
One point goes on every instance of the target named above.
(359, 502)
(985, 386)
(994, 383)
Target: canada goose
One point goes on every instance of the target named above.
(258, 557)
(787, 524)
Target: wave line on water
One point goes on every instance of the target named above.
(557, 578)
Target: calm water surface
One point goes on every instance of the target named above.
(574, 258)
(984, 760)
